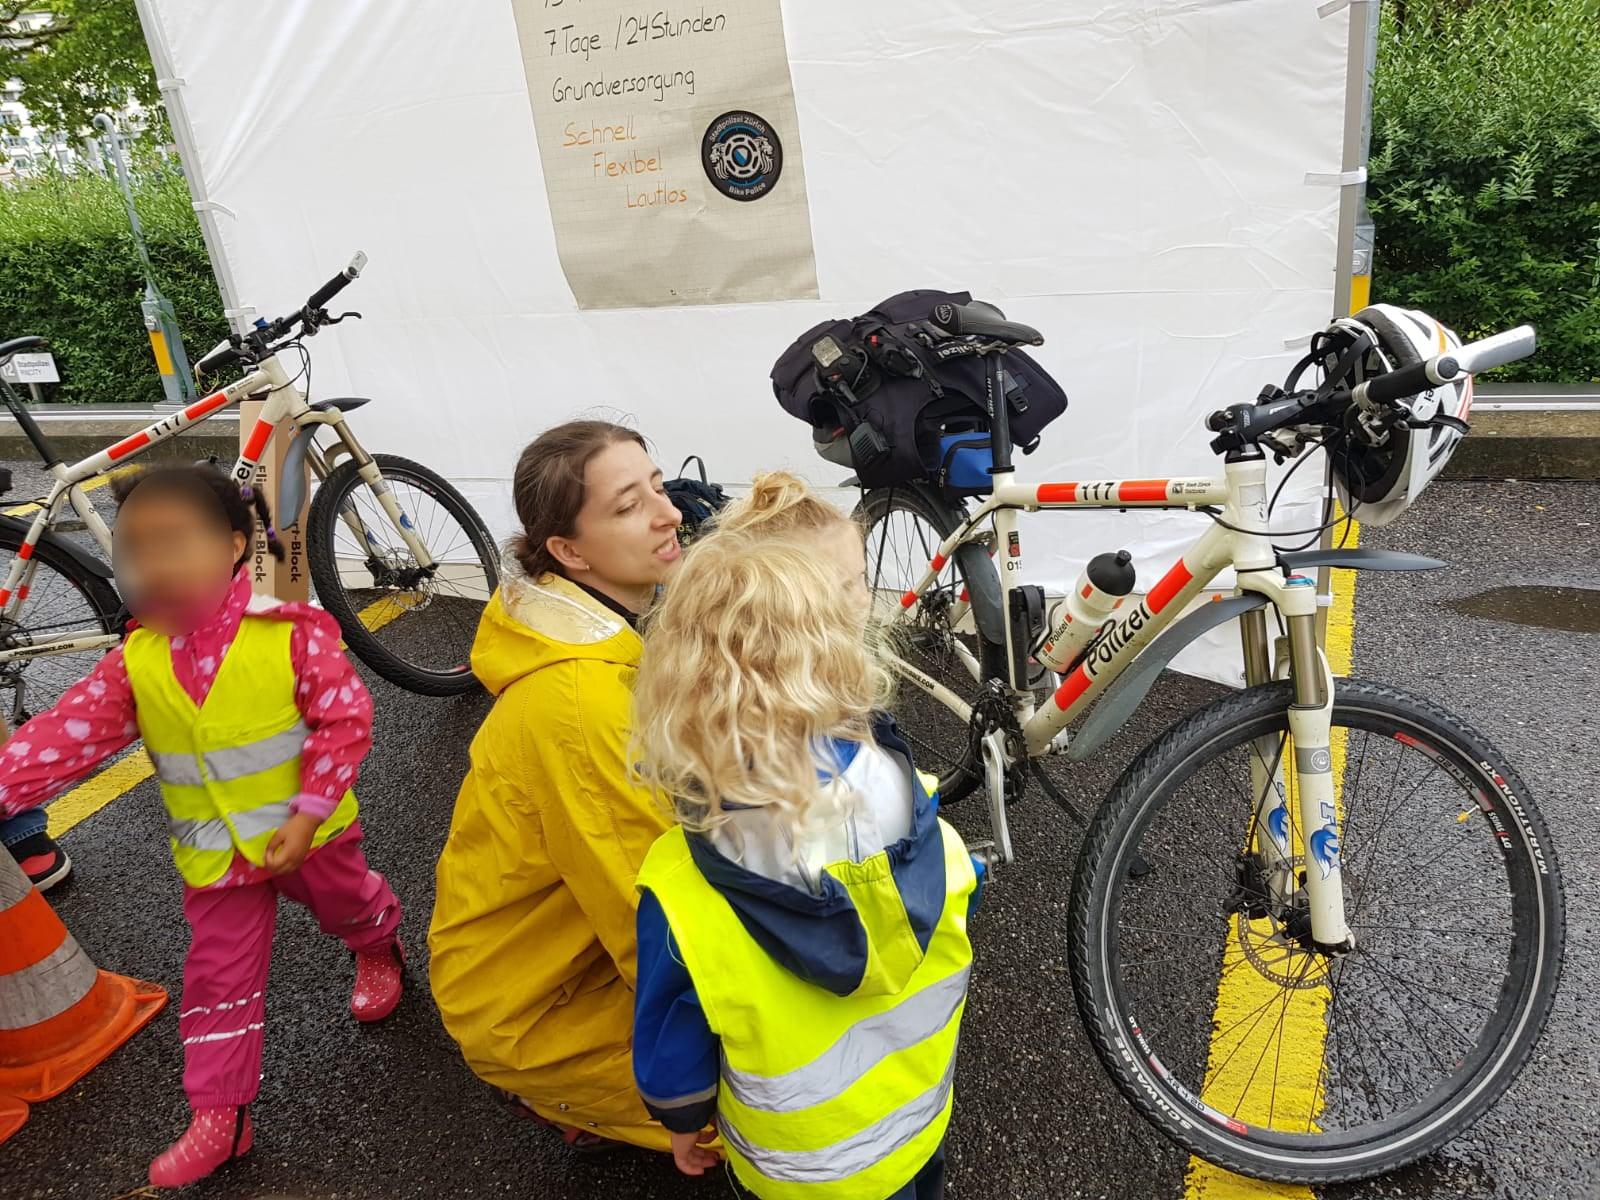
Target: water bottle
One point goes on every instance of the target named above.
(1075, 620)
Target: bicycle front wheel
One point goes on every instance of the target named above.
(1207, 1000)
(412, 625)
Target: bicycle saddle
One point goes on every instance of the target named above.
(17, 345)
(977, 319)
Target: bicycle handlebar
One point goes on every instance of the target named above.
(1482, 355)
(339, 282)
(255, 345)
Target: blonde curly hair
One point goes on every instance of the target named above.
(757, 652)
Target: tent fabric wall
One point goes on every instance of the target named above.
(1129, 176)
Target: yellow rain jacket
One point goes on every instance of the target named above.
(533, 947)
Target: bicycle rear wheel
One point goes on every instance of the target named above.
(412, 626)
(65, 598)
(1221, 1021)
(940, 644)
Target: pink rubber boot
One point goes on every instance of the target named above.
(215, 1136)
(379, 983)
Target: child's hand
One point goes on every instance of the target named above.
(689, 1152)
(290, 845)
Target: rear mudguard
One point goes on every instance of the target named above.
(91, 563)
(292, 481)
(1130, 688)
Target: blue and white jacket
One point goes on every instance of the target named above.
(815, 934)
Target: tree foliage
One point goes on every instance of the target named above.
(1485, 171)
(90, 58)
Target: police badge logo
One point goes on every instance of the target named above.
(742, 155)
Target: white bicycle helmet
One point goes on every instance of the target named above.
(1381, 474)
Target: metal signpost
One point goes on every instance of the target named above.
(160, 320)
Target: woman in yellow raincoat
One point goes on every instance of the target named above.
(533, 951)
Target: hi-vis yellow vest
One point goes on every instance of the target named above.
(823, 1095)
(229, 767)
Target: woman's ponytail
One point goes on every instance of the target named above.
(778, 502)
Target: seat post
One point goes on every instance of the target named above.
(999, 415)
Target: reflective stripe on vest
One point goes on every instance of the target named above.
(863, 1046)
(821, 1095)
(235, 762)
(201, 835)
(855, 1154)
(230, 766)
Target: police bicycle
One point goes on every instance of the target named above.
(1316, 927)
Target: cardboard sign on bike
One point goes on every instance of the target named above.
(289, 579)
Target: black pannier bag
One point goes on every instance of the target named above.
(920, 393)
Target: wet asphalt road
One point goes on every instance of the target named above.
(390, 1112)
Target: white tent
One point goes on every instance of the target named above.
(1155, 184)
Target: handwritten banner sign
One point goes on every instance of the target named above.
(671, 151)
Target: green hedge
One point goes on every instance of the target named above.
(1485, 171)
(68, 271)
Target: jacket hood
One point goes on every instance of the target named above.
(529, 624)
(868, 928)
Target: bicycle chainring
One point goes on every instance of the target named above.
(994, 712)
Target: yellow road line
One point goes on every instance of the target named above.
(99, 481)
(89, 797)
(380, 612)
(1295, 1043)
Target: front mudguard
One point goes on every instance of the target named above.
(1130, 688)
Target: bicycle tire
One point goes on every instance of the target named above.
(1126, 1047)
(97, 592)
(322, 527)
(928, 725)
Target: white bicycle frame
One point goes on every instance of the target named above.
(284, 402)
(1247, 547)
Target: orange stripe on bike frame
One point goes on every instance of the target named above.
(964, 597)
(259, 437)
(1074, 686)
(908, 599)
(1173, 582)
(204, 408)
(25, 551)
(5, 594)
(938, 562)
(1056, 493)
(22, 593)
(1143, 489)
(32, 932)
(128, 445)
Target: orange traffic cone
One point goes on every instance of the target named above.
(59, 1016)
(13, 1116)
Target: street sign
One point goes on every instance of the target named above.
(37, 367)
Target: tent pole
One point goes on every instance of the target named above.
(189, 156)
(1355, 238)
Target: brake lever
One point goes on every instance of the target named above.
(344, 316)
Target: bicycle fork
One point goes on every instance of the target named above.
(1310, 729)
(367, 468)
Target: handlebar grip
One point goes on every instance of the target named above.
(1498, 350)
(223, 356)
(1408, 381)
(328, 290)
(339, 282)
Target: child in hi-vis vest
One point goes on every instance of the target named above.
(803, 951)
(256, 723)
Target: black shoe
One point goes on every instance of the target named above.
(42, 861)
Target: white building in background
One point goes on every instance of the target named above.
(28, 150)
